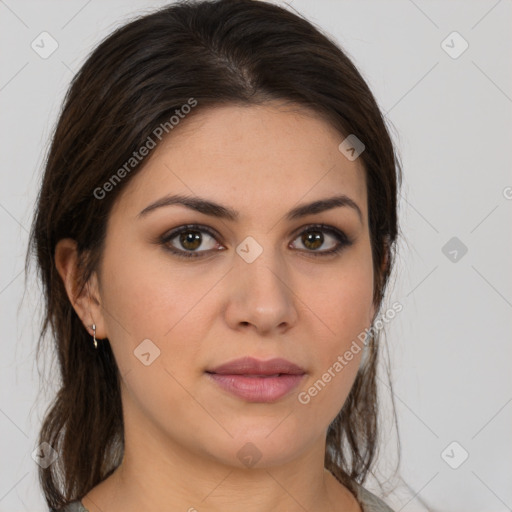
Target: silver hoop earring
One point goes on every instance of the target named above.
(94, 336)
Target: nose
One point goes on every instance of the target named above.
(261, 295)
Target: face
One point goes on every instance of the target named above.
(184, 291)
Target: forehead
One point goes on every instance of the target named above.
(250, 158)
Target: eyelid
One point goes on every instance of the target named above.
(342, 238)
(332, 230)
(173, 233)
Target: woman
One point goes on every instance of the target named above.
(214, 232)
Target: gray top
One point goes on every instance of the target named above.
(368, 501)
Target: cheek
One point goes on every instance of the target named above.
(152, 319)
(151, 299)
(344, 306)
(344, 301)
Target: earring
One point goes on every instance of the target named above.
(94, 335)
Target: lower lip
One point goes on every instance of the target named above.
(257, 389)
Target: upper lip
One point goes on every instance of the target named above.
(252, 366)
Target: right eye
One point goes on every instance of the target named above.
(188, 239)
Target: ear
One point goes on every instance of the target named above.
(88, 303)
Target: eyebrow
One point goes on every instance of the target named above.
(213, 209)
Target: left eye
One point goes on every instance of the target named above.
(313, 238)
(190, 238)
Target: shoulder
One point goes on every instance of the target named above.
(370, 502)
(74, 506)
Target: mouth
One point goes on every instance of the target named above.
(257, 388)
(256, 367)
(257, 381)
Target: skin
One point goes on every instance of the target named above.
(182, 431)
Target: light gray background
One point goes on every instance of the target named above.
(449, 349)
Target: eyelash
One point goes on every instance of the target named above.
(343, 239)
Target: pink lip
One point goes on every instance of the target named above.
(257, 389)
(252, 366)
(258, 381)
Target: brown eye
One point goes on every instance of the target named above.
(190, 240)
(315, 237)
(186, 241)
(312, 239)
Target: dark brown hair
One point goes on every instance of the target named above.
(217, 52)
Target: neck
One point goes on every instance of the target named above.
(160, 473)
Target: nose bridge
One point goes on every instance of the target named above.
(261, 288)
(261, 267)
